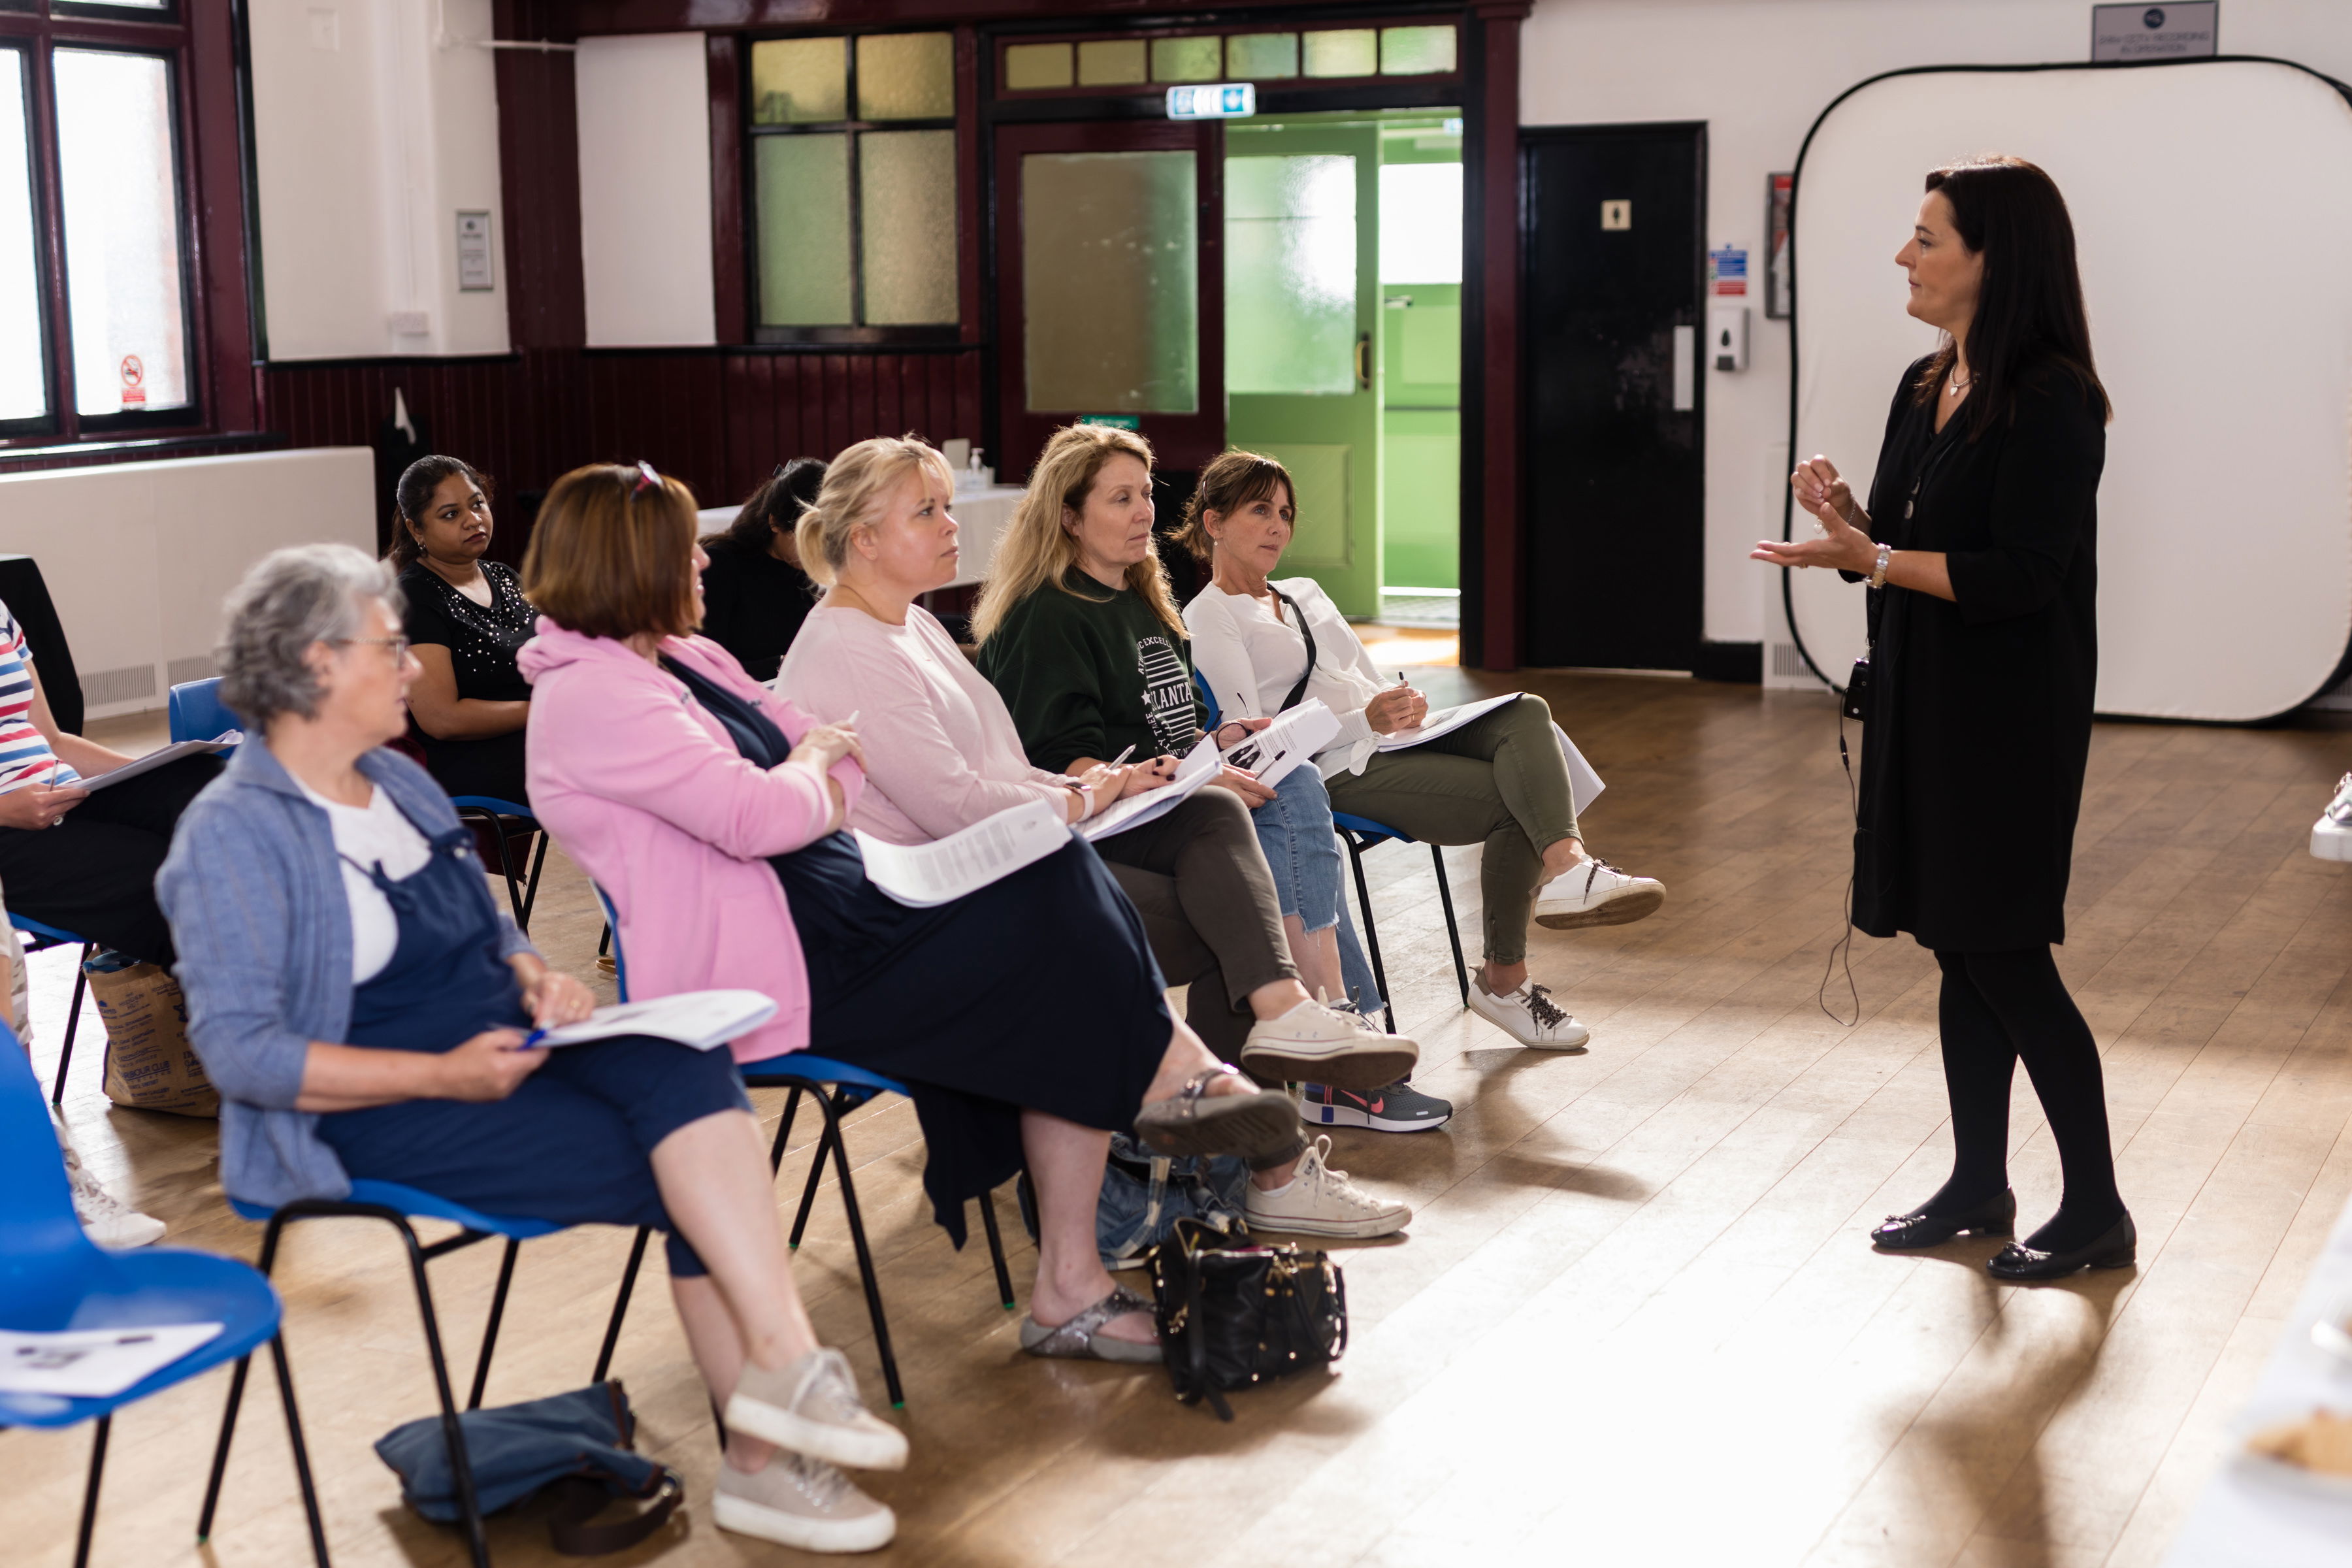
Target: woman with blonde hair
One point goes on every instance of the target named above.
(1080, 636)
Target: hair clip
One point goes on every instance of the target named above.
(646, 478)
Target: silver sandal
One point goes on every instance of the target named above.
(1082, 1338)
(1261, 1126)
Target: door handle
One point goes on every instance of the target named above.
(1686, 369)
(1364, 362)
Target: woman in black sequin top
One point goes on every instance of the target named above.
(466, 617)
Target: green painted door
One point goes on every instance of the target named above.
(1303, 329)
(1420, 435)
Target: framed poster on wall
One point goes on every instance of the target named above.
(1780, 276)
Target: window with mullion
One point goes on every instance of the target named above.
(851, 170)
(26, 407)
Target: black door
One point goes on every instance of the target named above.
(1615, 480)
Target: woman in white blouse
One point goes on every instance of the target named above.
(1501, 781)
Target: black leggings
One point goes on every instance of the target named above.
(1997, 1007)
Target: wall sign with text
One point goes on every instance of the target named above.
(2122, 34)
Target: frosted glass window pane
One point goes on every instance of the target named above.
(1353, 52)
(123, 285)
(1290, 274)
(1416, 51)
(795, 81)
(801, 186)
(1110, 283)
(1421, 223)
(23, 390)
(1261, 57)
(1030, 68)
(907, 219)
(1187, 59)
(1110, 62)
(906, 76)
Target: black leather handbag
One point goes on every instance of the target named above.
(1234, 1314)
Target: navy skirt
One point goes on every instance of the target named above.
(1036, 992)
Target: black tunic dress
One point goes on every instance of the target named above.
(482, 641)
(1979, 715)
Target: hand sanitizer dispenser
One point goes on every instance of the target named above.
(1727, 337)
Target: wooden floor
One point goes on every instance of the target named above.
(1636, 1320)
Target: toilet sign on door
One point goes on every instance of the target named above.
(134, 383)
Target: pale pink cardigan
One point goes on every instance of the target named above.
(647, 794)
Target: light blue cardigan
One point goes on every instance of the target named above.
(254, 895)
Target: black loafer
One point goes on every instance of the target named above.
(1997, 1215)
(2118, 1248)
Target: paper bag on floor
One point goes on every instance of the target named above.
(149, 1062)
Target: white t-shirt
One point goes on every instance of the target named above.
(372, 834)
(1251, 661)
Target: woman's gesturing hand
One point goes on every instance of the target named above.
(826, 745)
(490, 1066)
(1395, 708)
(1843, 542)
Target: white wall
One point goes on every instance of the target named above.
(645, 190)
(138, 556)
(1760, 72)
(376, 123)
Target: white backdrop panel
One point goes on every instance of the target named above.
(2213, 206)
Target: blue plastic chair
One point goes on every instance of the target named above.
(395, 1205)
(197, 712)
(492, 812)
(52, 1277)
(838, 1087)
(46, 937)
(1360, 833)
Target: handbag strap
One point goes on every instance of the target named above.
(580, 1499)
(1299, 690)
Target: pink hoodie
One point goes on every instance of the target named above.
(648, 795)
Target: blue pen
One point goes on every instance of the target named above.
(531, 1039)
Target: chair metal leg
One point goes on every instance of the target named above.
(1452, 932)
(531, 886)
(835, 1106)
(491, 1331)
(783, 1132)
(1371, 931)
(301, 1450)
(235, 1394)
(621, 1302)
(453, 1433)
(90, 1495)
(506, 864)
(604, 942)
(825, 1140)
(996, 1248)
(73, 1022)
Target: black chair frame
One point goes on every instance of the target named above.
(841, 1100)
(1357, 844)
(73, 1016)
(523, 892)
(419, 1255)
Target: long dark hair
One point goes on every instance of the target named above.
(2030, 305)
(774, 508)
(414, 493)
(1232, 480)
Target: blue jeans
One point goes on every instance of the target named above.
(1295, 830)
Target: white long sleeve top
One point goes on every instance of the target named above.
(1251, 660)
(941, 749)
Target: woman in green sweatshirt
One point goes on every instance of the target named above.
(1078, 632)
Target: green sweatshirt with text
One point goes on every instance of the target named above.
(1089, 673)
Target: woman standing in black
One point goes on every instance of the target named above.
(1980, 549)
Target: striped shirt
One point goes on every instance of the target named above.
(24, 756)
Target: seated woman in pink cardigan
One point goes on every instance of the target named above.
(1028, 1018)
(940, 751)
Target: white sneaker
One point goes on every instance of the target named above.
(1530, 1017)
(1314, 1044)
(105, 1218)
(1321, 1201)
(1595, 893)
(813, 1409)
(2331, 835)
(796, 1501)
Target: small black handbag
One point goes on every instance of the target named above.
(1234, 1314)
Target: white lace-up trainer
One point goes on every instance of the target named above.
(1314, 1044)
(105, 1218)
(812, 1408)
(1595, 893)
(796, 1501)
(2331, 835)
(1530, 1017)
(1320, 1201)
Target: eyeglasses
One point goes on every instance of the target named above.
(646, 478)
(399, 645)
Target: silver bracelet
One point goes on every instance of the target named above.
(1878, 573)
